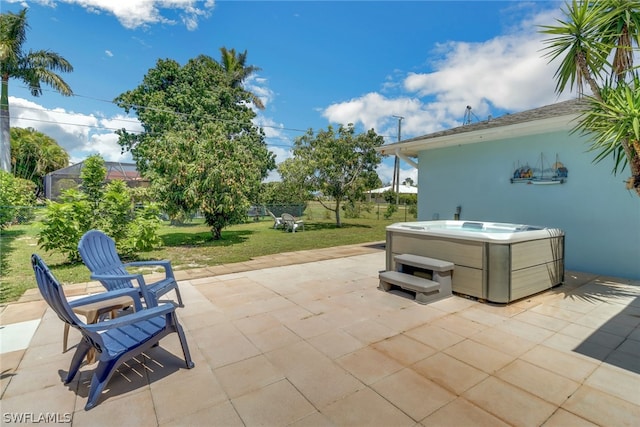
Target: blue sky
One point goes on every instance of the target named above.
(321, 62)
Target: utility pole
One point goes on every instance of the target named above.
(396, 165)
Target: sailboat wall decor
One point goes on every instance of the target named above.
(556, 174)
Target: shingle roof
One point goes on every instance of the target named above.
(571, 107)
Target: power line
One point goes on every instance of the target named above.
(142, 107)
(157, 109)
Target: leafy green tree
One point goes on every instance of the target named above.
(200, 149)
(596, 45)
(116, 204)
(279, 193)
(33, 68)
(34, 154)
(408, 181)
(16, 199)
(335, 165)
(93, 175)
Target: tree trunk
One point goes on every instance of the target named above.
(338, 221)
(5, 135)
(216, 233)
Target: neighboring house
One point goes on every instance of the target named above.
(481, 168)
(69, 177)
(377, 195)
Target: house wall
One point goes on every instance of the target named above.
(600, 218)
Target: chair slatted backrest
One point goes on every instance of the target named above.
(52, 292)
(98, 252)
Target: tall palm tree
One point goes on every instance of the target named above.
(237, 72)
(597, 44)
(33, 68)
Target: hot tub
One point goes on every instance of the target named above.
(497, 262)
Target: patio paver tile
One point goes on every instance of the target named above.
(577, 347)
(617, 382)
(414, 394)
(434, 336)
(335, 343)
(461, 412)
(366, 408)
(525, 330)
(602, 408)
(449, 372)
(248, 375)
(176, 396)
(562, 418)
(222, 414)
(565, 364)
(21, 312)
(545, 384)
(483, 317)
(405, 350)
(369, 365)
(277, 404)
(410, 317)
(592, 335)
(273, 338)
(510, 403)
(542, 320)
(504, 342)
(369, 332)
(459, 325)
(479, 356)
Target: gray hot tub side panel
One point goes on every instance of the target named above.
(497, 272)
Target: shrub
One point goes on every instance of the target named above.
(65, 222)
(109, 208)
(17, 197)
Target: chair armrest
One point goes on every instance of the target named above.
(105, 296)
(132, 318)
(166, 264)
(149, 299)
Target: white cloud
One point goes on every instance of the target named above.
(507, 72)
(81, 135)
(259, 87)
(108, 53)
(139, 13)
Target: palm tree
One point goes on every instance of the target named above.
(596, 44)
(34, 154)
(237, 72)
(33, 68)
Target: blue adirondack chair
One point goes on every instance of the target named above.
(116, 340)
(99, 254)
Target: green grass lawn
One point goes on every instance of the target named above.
(190, 245)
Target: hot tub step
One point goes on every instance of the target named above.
(426, 290)
(424, 262)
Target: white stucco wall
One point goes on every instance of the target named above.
(601, 219)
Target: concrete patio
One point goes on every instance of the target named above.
(307, 339)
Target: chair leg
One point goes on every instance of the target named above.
(185, 347)
(65, 337)
(99, 380)
(173, 320)
(180, 303)
(81, 351)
